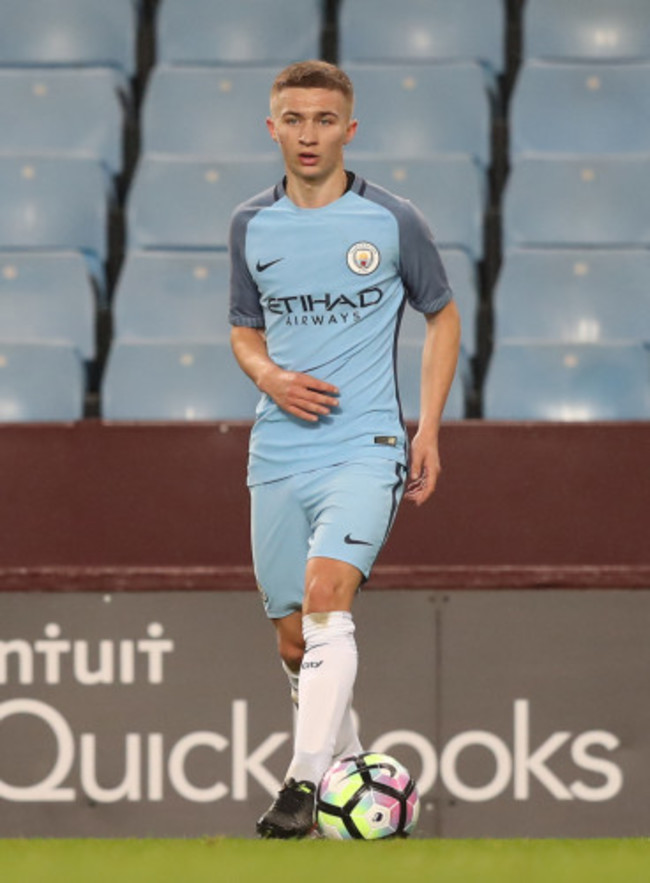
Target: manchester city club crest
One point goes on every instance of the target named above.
(363, 258)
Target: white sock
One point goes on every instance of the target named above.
(294, 679)
(347, 741)
(327, 676)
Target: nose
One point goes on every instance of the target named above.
(307, 134)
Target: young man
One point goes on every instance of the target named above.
(322, 264)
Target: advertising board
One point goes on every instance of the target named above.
(520, 713)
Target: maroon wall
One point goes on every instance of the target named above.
(96, 505)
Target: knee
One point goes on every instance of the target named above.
(330, 585)
(319, 596)
(324, 594)
(291, 650)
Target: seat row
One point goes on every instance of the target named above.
(54, 203)
(568, 295)
(207, 112)
(160, 381)
(200, 381)
(93, 32)
(570, 337)
(219, 112)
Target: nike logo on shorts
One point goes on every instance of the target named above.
(348, 539)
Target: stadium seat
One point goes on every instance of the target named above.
(577, 203)
(462, 278)
(172, 296)
(449, 191)
(598, 30)
(581, 109)
(409, 364)
(47, 297)
(417, 111)
(176, 381)
(95, 33)
(208, 112)
(66, 112)
(246, 32)
(40, 382)
(56, 204)
(175, 204)
(568, 296)
(567, 382)
(423, 30)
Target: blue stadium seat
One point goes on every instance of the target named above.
(246, 32)
(581, 109)
(417, 111)
(176, 381)
(573, 296)
(449, 191)
(208, 112)
(462, 278)
(96, 33)
(423, 30)
(187, 204)
(409, 363)
(40, 382)
(172, 296)
(47, 297)
(54, 204)
(577, 203)
(67, 112)
(567, 382)
(598, 30)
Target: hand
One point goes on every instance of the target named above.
(424, 469)
(299, 394)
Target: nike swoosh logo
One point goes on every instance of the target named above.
(260, 267)
(348, 539)
(315, 647)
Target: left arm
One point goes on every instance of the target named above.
(439, 358)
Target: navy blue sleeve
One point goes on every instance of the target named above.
(245, 307)
(421, 268)
(422, 271)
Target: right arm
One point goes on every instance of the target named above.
(298, 394)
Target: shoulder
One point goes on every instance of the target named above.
(405, 212)
(247, 210)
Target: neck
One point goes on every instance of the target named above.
(316, 194)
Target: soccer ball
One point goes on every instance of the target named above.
(367, 797)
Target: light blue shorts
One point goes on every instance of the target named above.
(343, 512)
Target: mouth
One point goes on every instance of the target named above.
(308, 159)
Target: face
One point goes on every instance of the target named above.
(311, 126)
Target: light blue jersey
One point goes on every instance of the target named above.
(328, 285)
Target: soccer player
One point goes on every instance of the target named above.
(322, 264)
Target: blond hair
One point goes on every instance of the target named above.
(314, 74)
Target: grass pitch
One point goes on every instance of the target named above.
(245, 861)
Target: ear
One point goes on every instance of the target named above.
(270, 125)
(351, 131)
